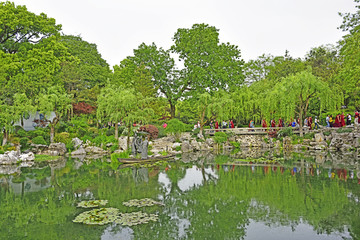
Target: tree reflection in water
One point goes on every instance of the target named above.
(203, 200)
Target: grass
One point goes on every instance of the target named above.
(45, 158)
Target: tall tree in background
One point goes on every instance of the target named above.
(89, 71)
(162, 68)
(291, 97)
(349, 74)
(208, 64)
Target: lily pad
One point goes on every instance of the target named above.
(92, 203)
(99, 216)
(145, 202)
(135, 218)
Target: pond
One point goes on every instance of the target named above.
(205, 199)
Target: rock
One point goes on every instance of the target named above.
(319, 137)
(123, 142)
(319, 147)
(80, 151)
(95, 150)
(175, 145)
(27, 157)
(56, 149)
(76, 142)
(185, 136)
(9, 158)
(185, 147)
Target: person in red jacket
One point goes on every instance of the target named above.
(216, 126)
(232, 124)
(342, 118)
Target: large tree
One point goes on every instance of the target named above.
(12, 112)
(349, 74)
(117, 104)
(54, 100)
(291, 97)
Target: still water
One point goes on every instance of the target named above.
(298, 199)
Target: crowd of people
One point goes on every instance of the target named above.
(340, 120)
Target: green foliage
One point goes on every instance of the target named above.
(39, 140)
(178, 148)
(21, 133)
(309, 135)
(24, 142)
(43, 158)
(63, 137)
(110, 132)
(220, 137)
(327, 133)
(285, 132)
(344, 130)
(235, 144)
(175, 126)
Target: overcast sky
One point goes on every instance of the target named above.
(256, 26)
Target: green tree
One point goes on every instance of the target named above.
(122, 105)
(90, 69)
(291, 97)
(162, 68)
(129, 75)
(54, 100)
(349, 74)
(21, 28)
(10, 113)
(209, 64)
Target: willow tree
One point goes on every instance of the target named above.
(13, 112)
(122, 105)
(54, 101)
(291, 97)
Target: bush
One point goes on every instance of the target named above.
(175, 126)
(344, 130)
(110, 132)
(21, 133)
(235, 144)
(151, 129)
(15, 140)
(24, 142)
(63, 137)
(285, 132)
(39, 140)
(220, 137)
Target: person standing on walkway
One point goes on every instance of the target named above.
(327, 121)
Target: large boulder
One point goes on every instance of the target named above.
(27, 157)
(95, 150)
(186, 147)
(79, 151)
(123, 142)
(77, 142)
(319, 137)
(56, 149)
(9, 158)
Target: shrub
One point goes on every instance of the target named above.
(285, 132)
(178, 148)
(327, 133)
(110, 132)
(39, 140)
(344, 130)
(63, 137)
(21, 133)
(175, 126)
(309, 135)
(220, 137)
(24, 142)
(151, 129)
(235, 144)
(15, 140)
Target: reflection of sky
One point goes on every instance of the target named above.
(112, 233)
(258, 230)
(165, 181)
(194, 177)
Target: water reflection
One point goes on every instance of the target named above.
(204, 197)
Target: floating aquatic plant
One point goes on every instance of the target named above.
(99, 216)
(146, 202)
(92, 203)
(135, 218)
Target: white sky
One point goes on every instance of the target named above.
(256, 26)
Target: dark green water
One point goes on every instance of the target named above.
(202, 201)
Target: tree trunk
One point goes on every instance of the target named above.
(52, 132)
(300, 123)
(172, 110)
(128, 136)
(4, 138)
(116, 131)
